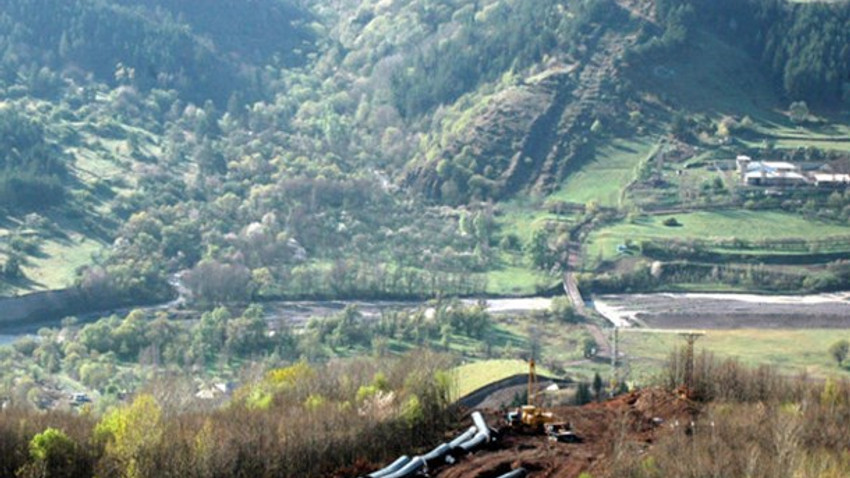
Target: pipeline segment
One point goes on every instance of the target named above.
(416, 463)
(480, 423)
(436, 454)
(467, 441)
(463, 437)
(518, 473)
(481, 437)
(476, 441)
(391, 468)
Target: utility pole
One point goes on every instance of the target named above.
(690, 337)
(615, 345)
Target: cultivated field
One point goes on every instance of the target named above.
(474, 375)
(732, 311)
(603, 179)
(707, 225)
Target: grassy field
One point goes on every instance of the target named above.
(53, 265)
(742, 224)
(102, 167)
(518, 280)
(603, 179)
(522, 218)
(56, 266)
(785, 135)
(728, 84)
(793, 351)
(516, 276)
(474, 375)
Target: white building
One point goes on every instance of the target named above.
(769, 173)
(830, 180)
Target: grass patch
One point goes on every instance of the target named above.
(742, 224)
(522, 219)
(794, 351)
(472, 376)
(56, 267)
(603, 179)
(517, 280)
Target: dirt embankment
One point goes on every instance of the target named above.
(627, 423)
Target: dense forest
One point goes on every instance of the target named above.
(804, 45)
(200, 52)
(34, 172)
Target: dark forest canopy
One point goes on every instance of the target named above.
(804, 45)
(206, 50)
(31, 170)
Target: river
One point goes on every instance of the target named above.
(661, 310)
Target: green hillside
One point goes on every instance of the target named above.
(394, 149)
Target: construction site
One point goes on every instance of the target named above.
(631, 422)
(543, 439)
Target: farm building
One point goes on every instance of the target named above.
(830, 180)
(769, 173)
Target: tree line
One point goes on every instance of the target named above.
(33, 171)
(483, 43)
(299, 420)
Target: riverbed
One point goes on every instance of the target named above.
(726, 311)
(659, 310)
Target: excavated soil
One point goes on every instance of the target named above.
(631, 423)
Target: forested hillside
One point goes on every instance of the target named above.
(368, 149)
(207, 52)
(804, 45)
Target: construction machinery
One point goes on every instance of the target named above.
(530, 416)
(561, 432)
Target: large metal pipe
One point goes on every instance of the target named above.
(391, 468)
(463, 437)
(480, 423)
(481, 437)
(467, 441)
(475, 442)
(416, 464)
(518, 473)
(436, 454)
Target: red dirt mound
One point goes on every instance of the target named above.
(628, 422)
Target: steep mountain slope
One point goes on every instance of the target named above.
(535, 155)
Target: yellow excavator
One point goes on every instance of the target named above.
(530, 416)
(532, 419)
